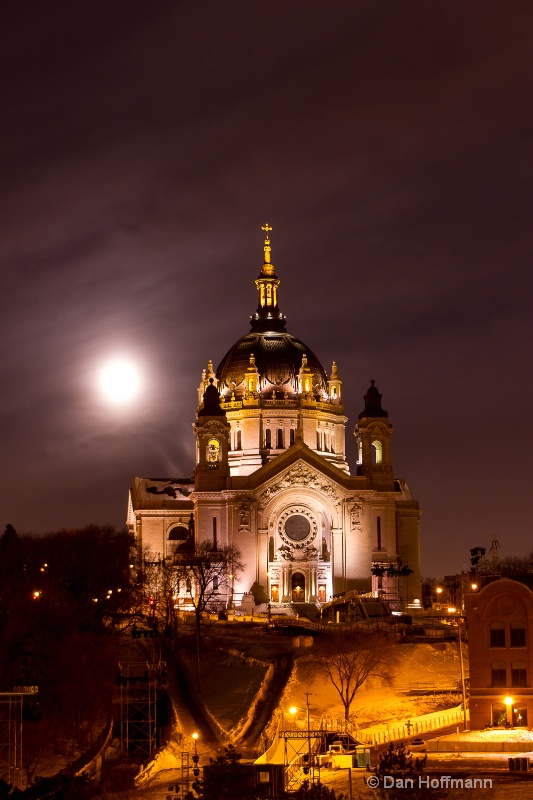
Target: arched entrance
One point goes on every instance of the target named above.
(298, 588)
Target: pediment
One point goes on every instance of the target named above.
(300, 474)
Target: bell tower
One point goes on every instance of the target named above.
(212, 441)
(373, 435)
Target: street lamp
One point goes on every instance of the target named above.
(509, 702)
(292, 711)
(196, 757)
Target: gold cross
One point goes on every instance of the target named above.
(266, 228)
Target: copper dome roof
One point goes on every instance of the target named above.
(278, 358)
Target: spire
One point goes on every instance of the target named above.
(211, 406)
(334, 385)
(373, 403)
(266, 228)
(268, 317)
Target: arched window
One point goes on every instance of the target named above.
(518, 634)
(280, 444)
(518, 673)
(499, 714)
(213, 451)
(498, 674)
(238, 440)
(268, 438)
(377, 452)
(178, 534)
(520, 715)
(497, 634)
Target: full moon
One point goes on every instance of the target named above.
(119, 381)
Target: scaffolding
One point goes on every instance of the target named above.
(10, 734)
(138, 682)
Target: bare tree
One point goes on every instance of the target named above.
(348, 660)
(207, 573)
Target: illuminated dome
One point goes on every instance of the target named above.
(279, 361)
(278, 358)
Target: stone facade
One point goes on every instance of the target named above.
(271, 476)
(500, 635)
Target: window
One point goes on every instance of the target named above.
(291, 436)
(498, 674)
(178, 534)
(268, 438)
(499, 714)
(213, 451)
(497, 634)
(215, 544)
(518, 634)
(377, 452)
(518, 673)
(264, 776)
(215, 583)
(520, 715)
(238, 440)
(378, 520)
(280, 444)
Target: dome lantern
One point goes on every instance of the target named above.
(268, 317)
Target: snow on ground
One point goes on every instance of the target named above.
(229, 682)
(375, 702)
(497, 735)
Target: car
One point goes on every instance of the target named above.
(417, 742)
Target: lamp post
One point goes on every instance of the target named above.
(231, 576)
(509, 703)
(292, 711)
(196, 757)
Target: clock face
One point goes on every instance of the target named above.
(297, 527)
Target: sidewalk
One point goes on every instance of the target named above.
(414, 726)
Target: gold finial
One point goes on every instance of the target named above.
(266, 228)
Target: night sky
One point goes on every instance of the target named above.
(390, 146)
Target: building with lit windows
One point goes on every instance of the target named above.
(271, 476)
(500, 631)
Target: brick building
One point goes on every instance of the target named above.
(500, 636)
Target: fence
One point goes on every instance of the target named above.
(416, 727)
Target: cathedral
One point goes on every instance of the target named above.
(272, 479)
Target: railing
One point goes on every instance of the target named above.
(337, 627)
(428, 687)
(406, 729)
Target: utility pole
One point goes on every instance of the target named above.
(461, 662)
(309, 739)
